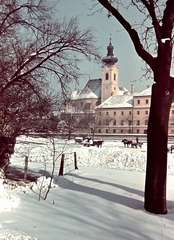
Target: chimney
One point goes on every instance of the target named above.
(132, 89)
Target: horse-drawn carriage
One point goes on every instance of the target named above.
(87, 142)
(131, 143)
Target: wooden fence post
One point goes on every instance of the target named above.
(26, 168)
(75, 161)
(61, 165)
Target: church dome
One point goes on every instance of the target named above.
(110, 58)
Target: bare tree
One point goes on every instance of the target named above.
(36, 47)
(153, 42)
(39, 56)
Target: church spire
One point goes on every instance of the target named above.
(110, 58)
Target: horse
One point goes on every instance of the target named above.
(98, 143)
(127, 142)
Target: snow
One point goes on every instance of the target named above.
(103, 199)
(117, 101)
(163, 40)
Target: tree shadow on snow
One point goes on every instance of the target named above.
(17, 174)
(127, 189)
(128, 200)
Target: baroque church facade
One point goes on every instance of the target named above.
(112, 109)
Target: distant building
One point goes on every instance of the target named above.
(114, 109)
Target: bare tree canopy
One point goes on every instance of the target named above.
(39, 58)
(152, 36)
(39, 51)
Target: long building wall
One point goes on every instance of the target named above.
(119, 120)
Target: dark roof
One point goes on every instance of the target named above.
(91, 90)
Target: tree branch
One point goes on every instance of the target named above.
(132, 33)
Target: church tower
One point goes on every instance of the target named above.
(109, 84)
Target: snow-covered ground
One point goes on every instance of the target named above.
(101, 200)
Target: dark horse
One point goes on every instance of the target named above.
(127, 142)
(98, 143)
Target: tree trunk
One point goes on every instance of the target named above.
(156, 169)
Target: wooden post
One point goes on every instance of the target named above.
(26, 168)
(75, 161)
(61, 165)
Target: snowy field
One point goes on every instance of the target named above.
(101, 200)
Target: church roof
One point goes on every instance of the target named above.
(117, 101)
(91, 90)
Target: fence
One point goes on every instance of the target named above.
(62, 163)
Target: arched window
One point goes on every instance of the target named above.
(114, 76)
(107, 76)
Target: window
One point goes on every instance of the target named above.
(114, 131)
(130, 122)
(121, 130)
(138, 101)
(122, 122)
(99, 131)
(114, 123)
(106, 130)
(172, 111)
(122, 113)
(138, 112)
(107, 113)
(99, 113)
(146, 112)
(130, 113)
(138, 122)
(107, 122)
(146, 122)
(147, 101)
(107, 76)
(99, 123)
(114, 113)
(138, 131)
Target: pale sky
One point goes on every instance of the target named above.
(128, 61)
